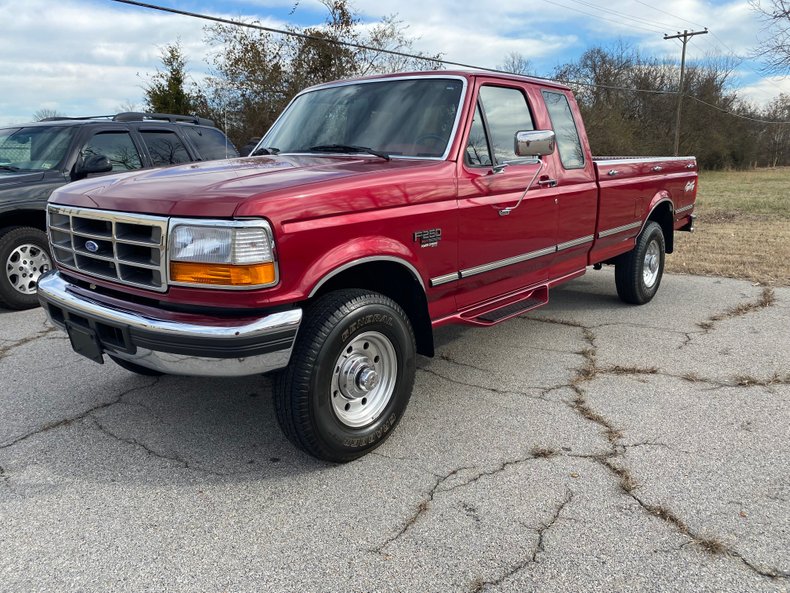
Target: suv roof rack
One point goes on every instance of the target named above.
(66, 118)
(170, 117)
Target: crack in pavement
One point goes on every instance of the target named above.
(424, 505)
(6, 350)
(421, 509)
(766, 299)
(68, 421)
(628, 484)
(490, 389)
(479, 585)
(159, 455)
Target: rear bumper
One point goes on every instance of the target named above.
(174, 343)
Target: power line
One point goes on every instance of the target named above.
(260, 27)
(685, 36)
(599, 17)
(733, 114)
(637, 19)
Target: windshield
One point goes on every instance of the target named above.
(33, 148)
(406, 117)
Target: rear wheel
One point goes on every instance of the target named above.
(350, 377)
(24, 257)
(638, 273)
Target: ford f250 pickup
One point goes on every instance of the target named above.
(377, 210)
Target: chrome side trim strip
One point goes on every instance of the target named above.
(516, 259)
(619, 229)
(635, 160)
(575, 242)
(684, 208)
(439, 280)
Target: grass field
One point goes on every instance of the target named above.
(742, 229)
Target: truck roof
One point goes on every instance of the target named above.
(468, 74)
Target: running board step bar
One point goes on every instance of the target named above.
(506, 307)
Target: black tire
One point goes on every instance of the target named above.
(24, 256)
(638, 273)
(135, 368)
(311, 396)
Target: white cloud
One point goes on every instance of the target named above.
(83, 56)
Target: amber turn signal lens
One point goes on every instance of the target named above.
(222, 274)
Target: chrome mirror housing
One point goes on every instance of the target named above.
(534, 143)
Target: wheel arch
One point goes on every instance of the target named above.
(662, 211)
(393, 277)
(23, 217)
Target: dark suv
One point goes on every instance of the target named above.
(39, 157)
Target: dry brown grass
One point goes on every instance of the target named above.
(743, 228)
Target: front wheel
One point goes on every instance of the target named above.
(350, 377)
(638, 273)
(24, 257)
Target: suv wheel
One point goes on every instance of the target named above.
(24, 257)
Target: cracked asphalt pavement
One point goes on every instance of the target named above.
(585, 446)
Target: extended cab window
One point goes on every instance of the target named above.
(506, 113)
(116, 146)
(165, 148)
(211, 143)
(568, 143)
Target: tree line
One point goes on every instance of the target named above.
(255, 73)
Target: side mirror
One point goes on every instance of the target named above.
(535, 143)
(96, 163)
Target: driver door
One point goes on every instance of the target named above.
(506, 242)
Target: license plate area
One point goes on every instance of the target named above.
(84, 341)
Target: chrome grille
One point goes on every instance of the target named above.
(116, 246)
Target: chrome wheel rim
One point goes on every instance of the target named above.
(24, 267)
(651, 264)
(363, 379)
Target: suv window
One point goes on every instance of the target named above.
(211, 143)
(568, 143)
(506, 113)
(116, 146)
(165, 148)
(34, 148)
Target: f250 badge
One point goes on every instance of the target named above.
(428, 238)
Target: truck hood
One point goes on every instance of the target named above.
(218, 188)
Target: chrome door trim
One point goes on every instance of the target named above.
(516, 259)
(575, 242)
(684, 208)
(619, 229)
(446, 279)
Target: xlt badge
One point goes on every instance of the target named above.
(428, 238)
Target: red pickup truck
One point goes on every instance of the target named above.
(378, 209)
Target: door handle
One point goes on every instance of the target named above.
(547, 183)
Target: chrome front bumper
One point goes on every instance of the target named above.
(183, 344)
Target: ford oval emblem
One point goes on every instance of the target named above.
(92, 246)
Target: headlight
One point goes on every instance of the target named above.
(232, 254)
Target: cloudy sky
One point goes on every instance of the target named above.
(93, 56)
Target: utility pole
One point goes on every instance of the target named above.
(685, 36)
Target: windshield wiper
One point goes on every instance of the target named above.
(9, 168)
(350, 148)
(264, 150)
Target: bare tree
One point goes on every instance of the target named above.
(774, 49)
(44, 113)
(517, 63)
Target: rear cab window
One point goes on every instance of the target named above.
(569, 143)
